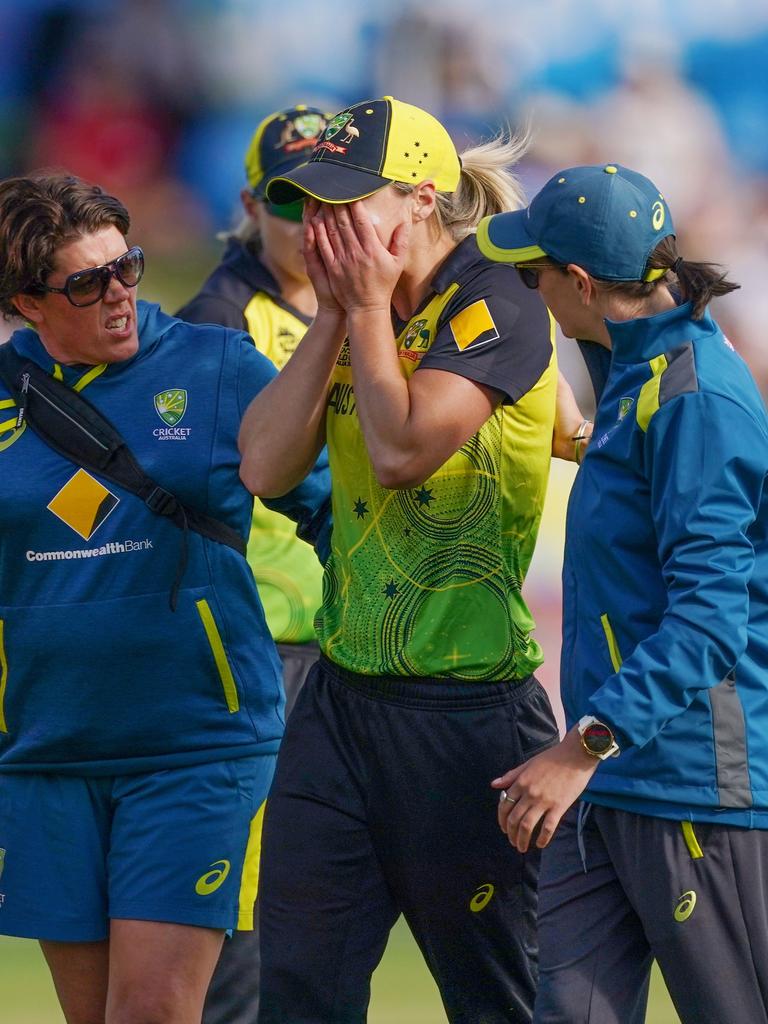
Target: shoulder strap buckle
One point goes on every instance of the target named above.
(162, 502)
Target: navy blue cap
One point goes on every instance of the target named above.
(606, 219)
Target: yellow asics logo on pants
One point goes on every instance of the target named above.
(482, 898)
(211, 880)
(685, 906)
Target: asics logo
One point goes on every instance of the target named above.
(482, 898)
(211, 880)
(685, 906)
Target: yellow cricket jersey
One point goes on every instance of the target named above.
(427, 581)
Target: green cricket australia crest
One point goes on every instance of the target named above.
(309, 126)
(625, 404)
(336, 124)
(171, 405)
(416, 330)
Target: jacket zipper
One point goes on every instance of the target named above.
(219, 655)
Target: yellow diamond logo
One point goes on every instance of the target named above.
(83, 504)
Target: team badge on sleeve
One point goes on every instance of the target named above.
(473, 326)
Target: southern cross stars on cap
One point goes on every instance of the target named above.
(367, 146)
(280, 142)
(606, 219)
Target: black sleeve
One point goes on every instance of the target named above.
(494, 331)
(206, 308)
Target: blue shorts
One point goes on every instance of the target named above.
(180, 845)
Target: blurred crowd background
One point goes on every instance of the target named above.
(157, 99)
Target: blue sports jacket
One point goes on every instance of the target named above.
(97, 674)
(665, 632)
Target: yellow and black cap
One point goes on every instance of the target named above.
(606, 218)
(282, 141)
(368, 146)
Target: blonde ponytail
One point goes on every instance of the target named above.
(487, 186)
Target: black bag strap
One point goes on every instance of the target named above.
(74, 428)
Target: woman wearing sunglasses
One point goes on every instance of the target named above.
(665, 642)
(137, 733)
(429, 372)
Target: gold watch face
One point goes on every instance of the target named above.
(597, 738)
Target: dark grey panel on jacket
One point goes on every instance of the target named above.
(680, 374)
(730, 745)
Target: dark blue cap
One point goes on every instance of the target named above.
(606, 219)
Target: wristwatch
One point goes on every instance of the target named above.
(597, 738)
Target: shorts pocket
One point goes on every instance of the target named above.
(219, 655)
(534, 723)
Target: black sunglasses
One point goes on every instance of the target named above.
(86, 287)
(529, 272)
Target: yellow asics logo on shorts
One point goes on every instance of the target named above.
(482, 898)
(685, 906)
(211, 880)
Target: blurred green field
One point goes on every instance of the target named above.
(403, 991)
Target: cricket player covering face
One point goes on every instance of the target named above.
(664, 627)
(429, 371)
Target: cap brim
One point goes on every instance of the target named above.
(329, 182)
(504, 238)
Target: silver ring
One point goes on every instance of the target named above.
(506, 798)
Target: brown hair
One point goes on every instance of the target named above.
(40, 213)
(699, 282)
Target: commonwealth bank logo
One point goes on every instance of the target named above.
(171, 405)
(83, 504)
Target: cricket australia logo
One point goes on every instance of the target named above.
(336, 124)
(625, 404)
(171, 405)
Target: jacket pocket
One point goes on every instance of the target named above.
(219, 655)
(3, 677)
(613, 647)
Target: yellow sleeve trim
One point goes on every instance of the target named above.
(648, 399)
(691, 841)
(613, 647)
(219, 655)
(249, 881)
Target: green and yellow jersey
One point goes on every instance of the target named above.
(241, 293)
(427, 581)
